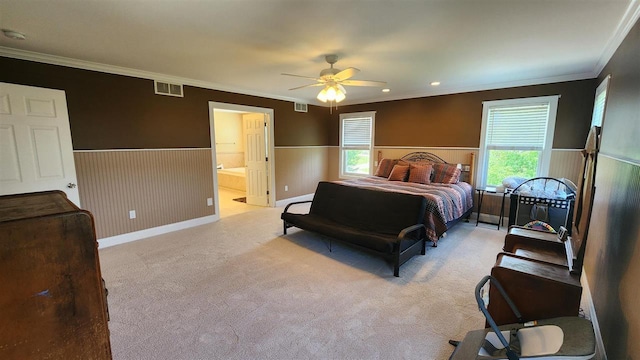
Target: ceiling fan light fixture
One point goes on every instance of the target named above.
(333, 80)
(331, 93)
(340, 96)
(322, 95)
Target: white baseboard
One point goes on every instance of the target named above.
(284, 202)
(601, 354)
(159, 230)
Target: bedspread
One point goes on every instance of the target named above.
(445, 202)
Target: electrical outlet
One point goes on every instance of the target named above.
(209, 201)
(132, 214)
(286, 188)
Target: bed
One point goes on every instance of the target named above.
(447, 203)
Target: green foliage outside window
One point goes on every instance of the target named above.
(357, 161)
(505, 163)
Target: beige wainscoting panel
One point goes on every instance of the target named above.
(566, 164)
(300, 168)
(162, 186)
(334, 163)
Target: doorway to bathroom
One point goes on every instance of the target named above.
(241, 143)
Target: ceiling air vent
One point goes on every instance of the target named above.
(300, 107)
(165, 88)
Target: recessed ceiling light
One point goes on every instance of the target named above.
(386, 90)
(435, 83)
(13, 34)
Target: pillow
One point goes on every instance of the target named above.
(445, 174)
(420, 173)
(399, 173)
(384, 167)
(512, 182)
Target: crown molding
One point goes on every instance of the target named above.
(119, 70)
(629, 19)
(483, 87)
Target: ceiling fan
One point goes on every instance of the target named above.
(333, 81)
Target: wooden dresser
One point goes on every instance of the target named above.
(52, 299)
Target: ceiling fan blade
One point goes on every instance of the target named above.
(345, 74)
(308, 85)
(363, 83)
(302, 76)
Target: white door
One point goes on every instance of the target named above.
(255, 155)
(36, 153)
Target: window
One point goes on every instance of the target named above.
(516, 138)
(356, 144)
(600, 102)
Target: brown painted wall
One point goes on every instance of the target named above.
(621, 126)
(612, 258)
(109, 111)
(455, 120)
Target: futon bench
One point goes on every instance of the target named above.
(385, 223)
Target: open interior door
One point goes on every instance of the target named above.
(36, 153)
(256, 157)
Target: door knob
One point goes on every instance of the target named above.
(71, 185)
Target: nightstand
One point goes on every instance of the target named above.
(492, 190)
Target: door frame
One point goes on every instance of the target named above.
(271, 186)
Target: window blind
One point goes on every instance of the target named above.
(517, 127)
(598, 109)
(356, 132)
(600, 102)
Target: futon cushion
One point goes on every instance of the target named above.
(383, 243)
(399, 173)
(372, 210)
(420, 173)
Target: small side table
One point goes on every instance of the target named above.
(492, 190)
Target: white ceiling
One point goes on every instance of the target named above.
(244, 45)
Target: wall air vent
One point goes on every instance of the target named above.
(165, 88)
(300, 107)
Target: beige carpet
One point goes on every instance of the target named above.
(239, 289)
